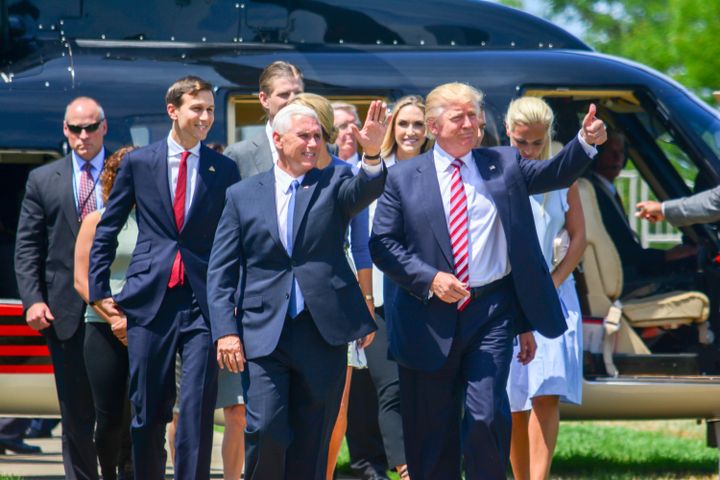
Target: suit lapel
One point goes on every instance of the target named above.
(160, 167)
(492, 174)
(433, 205)
(263, 153)
(267, 206)
(206, 175)
(302, 200)
(65, 172)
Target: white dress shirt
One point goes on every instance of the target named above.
(273, 150)
(283, 180)
(97, 163)
(174, 153)
(282, 193)
(487, 244)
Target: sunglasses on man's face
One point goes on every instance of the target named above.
(77, 129)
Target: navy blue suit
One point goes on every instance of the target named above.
(164, 321)
(295, 367)
(445, 355)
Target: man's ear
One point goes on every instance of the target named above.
(262, 96)
(277, 140)
(432, 126)
(172, 111)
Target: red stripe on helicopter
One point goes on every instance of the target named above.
(26, 369)
(24, 351)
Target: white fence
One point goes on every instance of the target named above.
(631, 187)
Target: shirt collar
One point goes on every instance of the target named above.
(284, 179)
(443, 160)
(96, 162)
(175, 149)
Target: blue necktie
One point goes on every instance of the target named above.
(297, 303)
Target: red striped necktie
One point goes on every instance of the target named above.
(177, 275)
(459, 229)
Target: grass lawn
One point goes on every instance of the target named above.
(673, 449)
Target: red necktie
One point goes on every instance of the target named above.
(459, 229)
(86, 195)
(177, 275)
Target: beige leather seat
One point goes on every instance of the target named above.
(604, 281)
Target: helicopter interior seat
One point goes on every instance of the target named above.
(603, 278)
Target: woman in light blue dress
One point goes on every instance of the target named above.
(555, 374)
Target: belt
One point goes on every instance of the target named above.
(477, 292)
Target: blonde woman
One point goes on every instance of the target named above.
(555, 374)
(406, 136)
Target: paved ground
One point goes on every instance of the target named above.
(48, 465)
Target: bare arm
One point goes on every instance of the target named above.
(575, 226)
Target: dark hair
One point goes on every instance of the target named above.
(278, 69)
(110, 169)
(190, 84)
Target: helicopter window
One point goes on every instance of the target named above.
(246, 116)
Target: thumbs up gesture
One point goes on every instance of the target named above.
(593, 129)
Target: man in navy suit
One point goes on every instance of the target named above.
(461, 299)
(177, 187)
(283, 296)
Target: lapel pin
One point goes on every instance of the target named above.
(305, 187)
(492, 167)
(212, 168)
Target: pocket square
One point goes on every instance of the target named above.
(212, 169)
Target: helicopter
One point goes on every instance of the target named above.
(125, 54)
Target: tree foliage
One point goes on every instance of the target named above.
(676, 37)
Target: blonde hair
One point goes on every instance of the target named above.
(321, 106)
(389, 145)
(443, 95)
(532, 111)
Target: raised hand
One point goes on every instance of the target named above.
(372, 134)
(593, 129)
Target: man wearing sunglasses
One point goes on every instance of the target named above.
(57, 197)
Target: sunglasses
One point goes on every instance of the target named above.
(77, 129)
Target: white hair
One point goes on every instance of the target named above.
(283, 120)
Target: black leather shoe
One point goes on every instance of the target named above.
(18, 446)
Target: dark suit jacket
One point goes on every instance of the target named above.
(250, 268)
(143, 181)
(45, 245)
(411, 243)
(252, 156)
(636, 260)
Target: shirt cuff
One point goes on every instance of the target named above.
(372, 171)
(590, 150)
(662, 208)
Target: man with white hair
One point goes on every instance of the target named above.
(454, 230)
(280, 265)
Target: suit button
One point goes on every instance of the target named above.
(287, 295)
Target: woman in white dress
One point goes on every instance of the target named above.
(535, 390)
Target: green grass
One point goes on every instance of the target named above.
(634, 450)
(624, 451)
